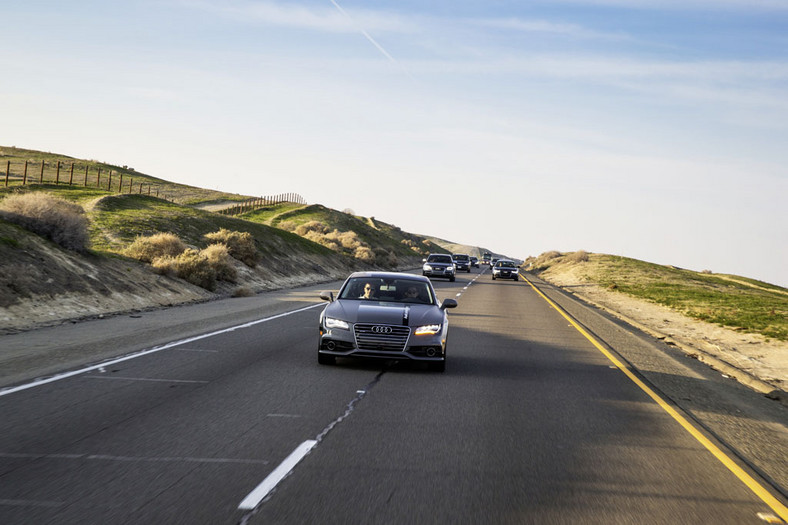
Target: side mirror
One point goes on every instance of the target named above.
(448, 303)
(327, 296)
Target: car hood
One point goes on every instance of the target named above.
(385, 313)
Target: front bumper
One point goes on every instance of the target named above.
(345, 343)
(434, 271)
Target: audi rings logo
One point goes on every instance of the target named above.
(382, 329)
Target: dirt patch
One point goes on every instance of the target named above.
(764, 360)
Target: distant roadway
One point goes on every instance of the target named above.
(221, 414)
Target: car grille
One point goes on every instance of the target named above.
(378, 337)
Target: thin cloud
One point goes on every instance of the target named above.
(544, 26)
(318, 18)
(682, 5)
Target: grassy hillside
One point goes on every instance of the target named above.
(180, 193)
(727, 300)
(376, 234)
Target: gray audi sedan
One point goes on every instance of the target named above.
(385, 315)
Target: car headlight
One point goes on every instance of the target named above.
(428, 267)
(427, 329)
(330, 323)
(450, 269)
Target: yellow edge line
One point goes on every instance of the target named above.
(753, 485)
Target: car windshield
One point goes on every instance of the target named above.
(460, 257)
(398, 290)
(439, 259)
(505, 264)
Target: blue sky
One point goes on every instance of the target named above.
(654, 129)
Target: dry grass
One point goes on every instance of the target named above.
(61, 221)
(240, 245)
(346, 242)
(577, 257)
(189, 265)
(151, 247)
(219, 258)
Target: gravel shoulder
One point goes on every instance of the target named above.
(751, 359)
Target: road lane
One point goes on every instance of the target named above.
(529, 424)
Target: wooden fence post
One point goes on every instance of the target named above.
(109, 182)
(57, 173)
(120, 184)
(86, 175)
(41, 177)
(71, 177)
(24, 177)
(7, 171)
(98, 178)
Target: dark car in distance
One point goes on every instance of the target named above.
(462, 262)
(385, 315)
(439, 265)
(505, 269)
(474, 261)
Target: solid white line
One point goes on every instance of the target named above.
(269, 483)
(167, 346)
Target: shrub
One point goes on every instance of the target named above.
(287, 226)
(577, 257)
(349, 240)
(190, 265)
(311, 227)
(365, 254)
(240, 245)
(148, 248)
(219, 258)
(61, 221)
(243, 291)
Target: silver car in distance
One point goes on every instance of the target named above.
(385, 315)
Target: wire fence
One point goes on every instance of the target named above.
(73, 174)
(85, 175)
(262, 202)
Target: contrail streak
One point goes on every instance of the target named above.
(369, 37)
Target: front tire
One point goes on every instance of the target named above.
(451, 279)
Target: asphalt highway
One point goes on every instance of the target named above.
(537, 419)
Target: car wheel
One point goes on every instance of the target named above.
(451, 279)
(493, 277)
(324, 359)
(515, 278)
(437, 366)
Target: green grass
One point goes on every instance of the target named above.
(117, 220)
(268, 214)
(181, 193)
(726, 300)
(379, 236)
